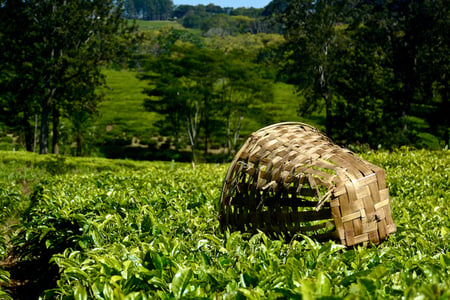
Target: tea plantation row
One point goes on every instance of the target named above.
(125, 230)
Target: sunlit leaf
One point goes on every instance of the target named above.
(181, 281)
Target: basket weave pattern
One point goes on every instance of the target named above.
(289, 178)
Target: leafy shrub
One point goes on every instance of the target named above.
(55, 165)
(152, 232)
(427, 141)
(10, 200)
(4, 280)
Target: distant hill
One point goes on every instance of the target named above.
(124, 123)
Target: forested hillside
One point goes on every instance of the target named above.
(193, 83)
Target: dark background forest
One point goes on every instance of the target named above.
(150, 80)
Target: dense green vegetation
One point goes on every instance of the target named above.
(50, 65)
(126, 130)
(111, 229)
(380, 67)
(373, 74)
(363, 71)
(156, 25)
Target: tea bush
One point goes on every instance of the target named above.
(150, 230)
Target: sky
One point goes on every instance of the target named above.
(226, 3)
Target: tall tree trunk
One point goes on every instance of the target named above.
(55, 140)
(192, 126)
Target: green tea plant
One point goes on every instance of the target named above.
(4, 279)
(150, 231)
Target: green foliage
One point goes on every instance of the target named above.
(10, 201)
(50, 63)
(168, 39)
(150, 230)
(223, 25)
(215, 20)
(372, 66)
(4, 279)
(148, 10)
(8, 143)
(122, 119)
(312, 37)
(201, 90)
(367, 73)
(156, 25)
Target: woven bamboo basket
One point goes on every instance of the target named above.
(289, 178)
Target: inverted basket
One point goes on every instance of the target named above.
(289, 178)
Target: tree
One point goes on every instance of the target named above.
(379, 68)
(248, 12)
(312, 34)
(401, 53)
(148, 9)
(360, 111)
(18, 76)
(203, 93)
(242, 88)
(55, 52)
(181, 11)
(435, 67)
(183, 90)
(275, 8)
(218, 25)
(214, 9)
(425, 45)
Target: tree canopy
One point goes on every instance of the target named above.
(203, 93)
(371, 72)
(380, 68)
(50, 61)
(148, 9)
